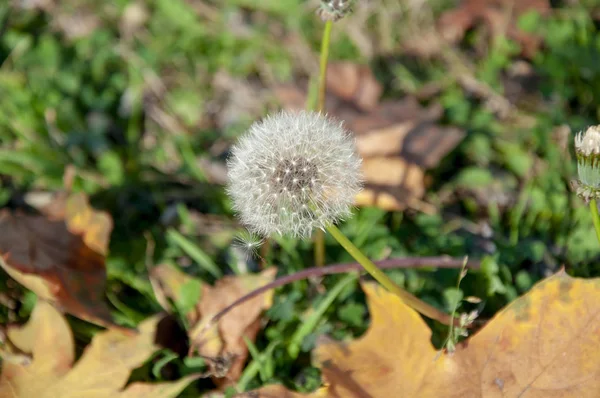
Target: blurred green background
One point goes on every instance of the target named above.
(143, 99)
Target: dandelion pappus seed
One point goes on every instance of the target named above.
(248, 244)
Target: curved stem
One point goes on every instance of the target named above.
(595, 217)
(410, 300)
(315, 272)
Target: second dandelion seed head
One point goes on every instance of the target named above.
(587, 148)
(588, 143)
(292, 173)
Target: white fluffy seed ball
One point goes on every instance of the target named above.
(292, 173)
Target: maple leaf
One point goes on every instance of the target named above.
(60, 255)
(221, 342)
(544, 344)
(102, 371)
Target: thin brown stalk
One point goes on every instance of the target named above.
(315, 272)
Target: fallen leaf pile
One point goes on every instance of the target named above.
(223, 341)
(397, 139)
(544, 344)
(60, 255)
(101, 372)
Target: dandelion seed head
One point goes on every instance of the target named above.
(292, 173)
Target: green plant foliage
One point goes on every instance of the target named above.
(148, 93)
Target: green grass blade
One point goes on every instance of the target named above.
(311, 322)
(192, 250)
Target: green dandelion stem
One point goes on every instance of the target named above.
(320, 236)
(323, 65)
(595, 217)
(408, 299)
(319, 248)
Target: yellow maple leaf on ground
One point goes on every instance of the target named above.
(544, 344)
(102, 371)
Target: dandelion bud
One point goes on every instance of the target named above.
(587, 148)
(334, 10)
(292, 173)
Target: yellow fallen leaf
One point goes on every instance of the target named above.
(94, 226)
(48, 337)
(102, 371)
(544, 344)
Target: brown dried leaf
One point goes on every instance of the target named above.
(169, 283)
(354, 83)
(222, 343)
(398, 140)
(499, 16)
(60, 255)
(544, 344)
